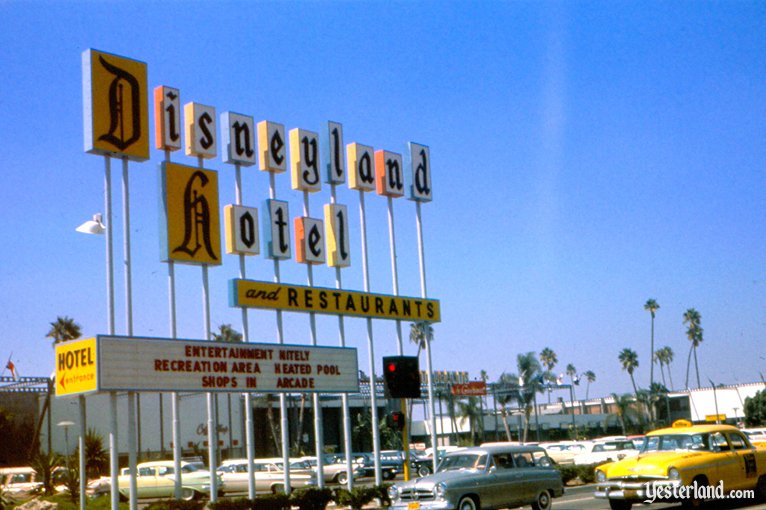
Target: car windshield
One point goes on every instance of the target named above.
(668, 442)
(463, 461)
(189, 468)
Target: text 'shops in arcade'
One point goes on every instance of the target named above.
(401, 375)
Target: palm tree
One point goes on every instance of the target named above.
(64, 329)
(629, 361)
(651, 306)
(530, 382)
(470, 409)
(506, 382)
(572, 373)
(694, 333)
(96, 456)
(590, 376)
(227, 334)
(421, 333)
(549, 359)
(623, 405)
(667, 359)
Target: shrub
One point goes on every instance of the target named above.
(356, 498)
(568, 472)
(311, 498)
(176, 504)
(382, 494)
(232, 504)
(279, 501)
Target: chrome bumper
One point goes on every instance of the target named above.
(630, 489)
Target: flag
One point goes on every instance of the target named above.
(10, 366)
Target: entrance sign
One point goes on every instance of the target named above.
(296, 298)
(76, 367)
(115, 105)
(192, 231)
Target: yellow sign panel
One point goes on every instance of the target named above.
(192, 223)
(714, 418)
(116, 105)
(76, 367)
(296, 298)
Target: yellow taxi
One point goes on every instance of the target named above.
(685, 463)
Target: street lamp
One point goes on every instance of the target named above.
(94, 226)
(66, 425)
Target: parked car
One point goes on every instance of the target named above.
(235, 477)
(682, 456)
(157, 480)
(564, 452)
(366, 462)
(394, 459)
(483, 478)
(601, 451)
(19, 482)
(334, 468)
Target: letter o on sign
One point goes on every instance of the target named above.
(242, 230)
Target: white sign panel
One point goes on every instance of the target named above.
(161, 364)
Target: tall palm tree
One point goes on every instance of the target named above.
(590, 376)
(623, 405)
(659, 358)
(694, 333)
(506, 382)
(227, 334)
(651, 306)
(530, 382)
(64, 329)
(667, 358)
(549, 359)
(572, 373)
(629, 361)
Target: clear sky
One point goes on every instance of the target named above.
(586, 156)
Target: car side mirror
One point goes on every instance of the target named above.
(492, 469)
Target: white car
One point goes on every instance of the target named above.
(601, 451)
(19, 482)
(564, 452)
(157, 480)
(334, 468)
(269, 477)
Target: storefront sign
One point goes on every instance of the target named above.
(296, 298)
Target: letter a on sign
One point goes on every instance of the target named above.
(115, 106)
(336, 235)
(241, 230)
(361, 167)
(192, 232)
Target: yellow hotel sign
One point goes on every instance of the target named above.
(192, 224)
(115, 105)
(296, 298)
(76, 367)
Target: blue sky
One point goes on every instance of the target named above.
(586, 156)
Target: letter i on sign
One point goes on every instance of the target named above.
(361, 167)
(167, 118)
(200, 130)
(388, 174)
(304, 159)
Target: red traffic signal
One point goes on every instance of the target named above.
(398, 420)
(401, 375)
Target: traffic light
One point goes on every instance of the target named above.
(397, 421)
(401, 375)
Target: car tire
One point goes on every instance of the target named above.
(543, 501)
(341, 478)
(424, 470)
(278, 488)
(620, 504)
(693, 503)
(468, 503)
(760, 488)
(189, 494)
(389, 475)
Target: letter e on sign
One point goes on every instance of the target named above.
(167, 118)
(309, 242)
(241, 230)
(389, 181)
(420, 166)
(272, 147)
(200, 130)
(238, 136)
(336, 235)
(361, 167)
(304, 160)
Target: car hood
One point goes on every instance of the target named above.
(427, 482)
(649, 464)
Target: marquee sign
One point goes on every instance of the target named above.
(296, 298)
(116, 363)
(115, 105)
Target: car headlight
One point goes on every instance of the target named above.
(673, 474)
(440, 489)
(600, 476)
(393, 493)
